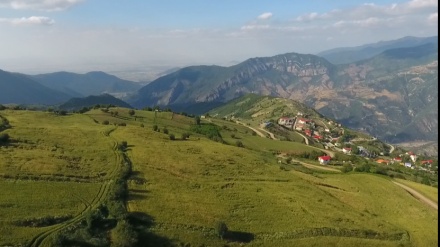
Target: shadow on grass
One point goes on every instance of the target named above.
(142, 223)
(241, 237)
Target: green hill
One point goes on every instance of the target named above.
(104, 99)
(128, 182)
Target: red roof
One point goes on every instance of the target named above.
(317, 137)
(427, 161)
(304, 120)
(325, 158)
(397, 158)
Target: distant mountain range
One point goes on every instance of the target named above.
(389, 89)
(20, 89)
(353, 54)
(392, 95)
(56, 88)
(81, 85)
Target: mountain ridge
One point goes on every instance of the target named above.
(370, 88)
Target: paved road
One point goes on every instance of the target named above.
(418, 195)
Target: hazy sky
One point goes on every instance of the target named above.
(85, 35)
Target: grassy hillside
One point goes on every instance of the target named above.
(178, 189)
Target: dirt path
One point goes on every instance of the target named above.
(255, 130)
(270, 133)
(391, 148)
(417, 195)
(317, 166)
(42, 238)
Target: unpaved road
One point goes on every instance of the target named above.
(417, 195)
(270, 133)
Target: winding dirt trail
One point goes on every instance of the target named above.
(418, 195)
(42, 238)
(270, 133)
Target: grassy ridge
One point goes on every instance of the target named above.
(183, 187)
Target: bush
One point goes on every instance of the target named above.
(165, 131)
(185, 136)
(122, 124)
(233, 136)
(221, 229)
(2, 107)
(105, 122)
(172, 137)
(4, 137)
(155, 127)
(131, 112)
(142, 125)
(239, 144)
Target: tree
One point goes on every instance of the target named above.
(172, 137)
(2, 107)
(4, 137)
(197, 119)
(239, 144)
(165, 130)
(221, 229)
(155, 127)
(131, 112)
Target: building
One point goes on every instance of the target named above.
(324, 160)
(286, 121)
(346, 150)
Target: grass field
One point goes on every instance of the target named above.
(28, 200)
(183, 187)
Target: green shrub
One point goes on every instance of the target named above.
(105, 122)
(239, 144)
(155, 127)
(221, 229)
(165, 130)
(172, 137)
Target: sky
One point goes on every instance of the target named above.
(41, 36)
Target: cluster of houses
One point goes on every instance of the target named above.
(307, 126)
(329, 138)
(408, 159)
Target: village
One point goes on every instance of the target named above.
(332, 136)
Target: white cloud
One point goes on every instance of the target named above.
(254, 27)
(433, 18)
(46, 5)
(33, 20)
(309, 17)
(265, 16)
(422, 3)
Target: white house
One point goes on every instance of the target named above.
(346, 150)
(285, 121)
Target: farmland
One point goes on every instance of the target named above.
(58, 166)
